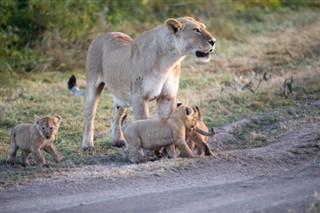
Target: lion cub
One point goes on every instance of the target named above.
(197, 141)
(154, 133)
(31, 138)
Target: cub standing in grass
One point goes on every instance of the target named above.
(31, 138)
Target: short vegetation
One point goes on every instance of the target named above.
(265, 68)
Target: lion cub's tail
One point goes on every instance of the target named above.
(200, 118)
(72, 86)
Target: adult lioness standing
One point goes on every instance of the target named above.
(141, 70)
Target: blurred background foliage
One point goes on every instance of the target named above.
(40, 35)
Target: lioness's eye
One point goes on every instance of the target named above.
(196, 30)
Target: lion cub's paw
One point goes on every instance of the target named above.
(10, 161)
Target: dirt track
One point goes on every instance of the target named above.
(276, 178)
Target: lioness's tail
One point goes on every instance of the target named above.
(72, 86)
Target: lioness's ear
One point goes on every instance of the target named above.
(57, 119)
(188, 111)
(37, 119)
(173, 25)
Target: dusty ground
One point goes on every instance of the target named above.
(280, 177)
(283, 175)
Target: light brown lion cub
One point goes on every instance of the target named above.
(154, 133)
(31, 138)
(199, 142)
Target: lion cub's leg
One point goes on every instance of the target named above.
(51, 149)
(13, 149)
(132, 151)
(182, 145)
(203, 148)
(24, 158)
(91, 101)
(39, 158)
(171, 151)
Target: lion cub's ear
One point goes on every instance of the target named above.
(57, 119)
(188, 111)
(37, 119)
(174, 25)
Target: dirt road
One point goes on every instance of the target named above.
(283, 176)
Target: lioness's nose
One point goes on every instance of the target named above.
(211, 42)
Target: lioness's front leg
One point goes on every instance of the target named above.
(118, 139)
(165, 106)
(140, 110)
(166, 101)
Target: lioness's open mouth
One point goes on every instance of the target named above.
(200, 54)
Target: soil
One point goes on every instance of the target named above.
(283, 176)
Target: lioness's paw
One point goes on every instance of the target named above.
(119, 143)
(89, 149)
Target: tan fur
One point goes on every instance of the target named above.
(141, 70)
(154, 133)
(31, 138)
(198, 141)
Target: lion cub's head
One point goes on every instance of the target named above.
(187, 115)
(192, 38)
(47, 126)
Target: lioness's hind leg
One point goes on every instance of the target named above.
(92, 97)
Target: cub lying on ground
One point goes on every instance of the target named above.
(31, 138)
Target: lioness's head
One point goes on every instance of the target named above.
(192, 38)
(47, 126)
(187, 114)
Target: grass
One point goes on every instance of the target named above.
(271, 46)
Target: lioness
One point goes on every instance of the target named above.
(31, 138)
(141, 70)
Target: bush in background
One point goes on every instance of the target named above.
(42, 35)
